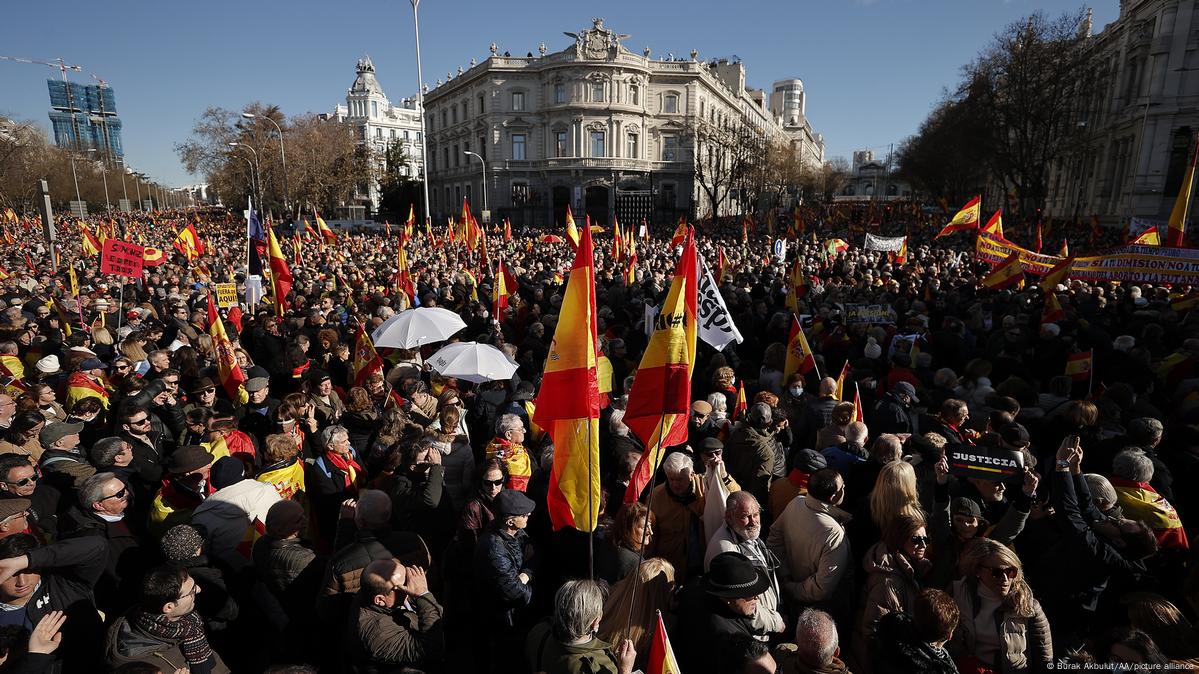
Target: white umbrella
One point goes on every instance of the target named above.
(414, 327)
(473, 362)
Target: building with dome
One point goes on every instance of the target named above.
(380, 123)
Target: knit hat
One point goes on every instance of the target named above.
(284, 518)
(180, 543)
(49, 365)
(227, 471)
(966, 507)
(872, 350)
(810, 461)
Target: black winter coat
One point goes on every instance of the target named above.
(499, 560)
(900, 650)
(120, 585)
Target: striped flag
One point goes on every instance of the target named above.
(841, 381)
(281, 278)
(568, 402)
(1176, 234)
(660, 400)
(995, 224)
(572, 232)
(1053, 311)
(965, 219)
(366, 359)
(1009, 273)
(1057, 275)
(799, 355)
(742, 405)
(661, 655)
(228, 370)
(1079, 365)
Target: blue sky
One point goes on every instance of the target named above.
(872, 68)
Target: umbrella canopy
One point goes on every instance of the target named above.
(473, 362)
(414, 327)
(551, 238)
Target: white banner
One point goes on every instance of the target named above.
(886, 244)
(1138, 226)
(253, 290)
(716, 325)
(780, 250)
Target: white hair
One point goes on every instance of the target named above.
(857, 432)
(816, 635)
(677, 463)
(508, 422)
(1132, 464)
(720, 405)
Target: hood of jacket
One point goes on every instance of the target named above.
(246, 499)
(879, 559)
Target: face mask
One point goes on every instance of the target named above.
(796, 391)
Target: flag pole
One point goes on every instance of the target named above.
(1091, 374)
(649, 497)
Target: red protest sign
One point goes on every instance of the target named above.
(122, 258)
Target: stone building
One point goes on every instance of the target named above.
(593, 126)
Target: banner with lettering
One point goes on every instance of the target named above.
(122, 258)
(226, 295)
(876, 314)
(987, 463)
(886, 244)
(1140, 264)
(716, 325)
(992, 249)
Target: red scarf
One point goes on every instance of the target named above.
(799, 478)
(348, 466)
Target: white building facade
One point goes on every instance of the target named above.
(789, 105)
(379, 124)
(594, 126)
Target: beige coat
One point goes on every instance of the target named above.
(32, 448)
(1027, 642)
(674, 521)
(892, 585)
(809, 539)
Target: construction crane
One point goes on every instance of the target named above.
(103, 118)
(62, 67)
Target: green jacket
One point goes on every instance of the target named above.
(546, 654)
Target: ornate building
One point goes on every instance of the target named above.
(379, 124)
(789, 104)
(594, 126)
(1136, 102)
(872, 179)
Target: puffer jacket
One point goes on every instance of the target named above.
(400, 639)
(1027, 643)
(499, 559)
(343, 576)
(235, 517)
(279, 562)
(892, 585)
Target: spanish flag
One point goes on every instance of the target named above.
(188, 242)
(228, 370)
(661, 655)
(965, 219)
(404, 276)
(1149, 237)
(722, 265)
(857, 404)
(834, 246)
(1053, 312)
(660, 400)
(1176, 236)
(505, 285)
(91, 246)
(800, 358)
(366, 359)
(617, 242)
(680, 233)
(798, 282)
(410, 223)
(1079, 365)
(80, 385)
(742, 404)
(12, 366)
(1142, 502)
(326, 233)
(841, 380)
(995, 224)
(630, 271)
(572, 232)
(1065, 251)
(507, 230)
(281, 278)
(3, 275)
(1057, 275)
(568, 403)
(901, 256)
(1009, 273)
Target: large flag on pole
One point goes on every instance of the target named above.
(965, 219)
(1149, 237)
(572, 232)
(660, 400)
(995, 224)
(1009, 273)
(256, 243)
(568, 403)
(188, 242)
(366, 359)
(1176, 235)
(228, 370)
(281, 278)
(661, 655)
(799, 355)
(403, 275)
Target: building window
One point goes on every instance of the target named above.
(632, 146)
(559, 93)
(518, 146)
(597, 144)
(374, 108)
(393, 133)
(444, 118)
(454, 113)
(482, 148)
(520, 193)
(379, 133)
(670, 104)
(670, 148)
(457, 156)
(561, 144)
(634, 94)
(481, 110)
(597, 92)
(518, 101)
(445, 156)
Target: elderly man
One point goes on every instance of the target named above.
(20, 480)
(741, 532)
(817, 648)
(811, 541)
(103, 499)
(678, 506)
(63, 462)
(396, 623)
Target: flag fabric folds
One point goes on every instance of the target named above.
(742, 405)
(841, 381)
(995, 224)
(1079, 365)
(572, 232)
(1007, 274)
(1053, 312)
(281, 278)
(1057, 275)
(568, 402)
(965, 219)
(91, 246)
(366, 359)
(1176, 235)
(188, 242)
(505, 285)
(404, 276)
(228, 370)
(660, 400)
(661, 655)
(800, 358)
(323, 229)
(1065, 251)
(1149, 237)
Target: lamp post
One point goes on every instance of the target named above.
(124, 190)
(75, 176)
(137, 182)
(484, 164)
(420, 97)
(257, 176)
(251, 165)
(282, 156)
(104, 176)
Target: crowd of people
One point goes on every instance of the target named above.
(153, 519)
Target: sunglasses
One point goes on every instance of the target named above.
(25, 482)
(998, 572)
(493, 483)
(122, 493)
(920, 541)
(139, 422)
(206, 391)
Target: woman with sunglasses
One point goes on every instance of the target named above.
(1002, 627)
(21, 437)
(895, 567)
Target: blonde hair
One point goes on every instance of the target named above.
(1020, 600)
(895, 494)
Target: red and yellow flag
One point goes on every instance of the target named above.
(410, 223)
(1079, 365)
(91, 246)
(507, 230)
(857, 404)
(965, 219)
(404, 276)
(901, 256)
(505, 285)
(617, 242)
(661, 655)
(995, 224)
(1009, 273)
(281, 278)
(1149, 237)
(1057, 275)
(568, 403)
(366, 359)
(1176, 235)
(1053, 312)
(228, 370)
(722, 266)
(630, 270)
(188, 242)
(742, 404)
(1141, 501)
(323, 229)
(660, 400)
(1065, 251)
(680, 233)
(572, 232)
(841, 381)
(798, 282)
(800, 358)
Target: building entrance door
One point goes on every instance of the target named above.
(596, 205)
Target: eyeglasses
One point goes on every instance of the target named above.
(24, 482)
(120, 366)
(494, 483)
(139, 422)
(920, 541)
(122, 493)
(206, 391)
(998, 572)
(194, 591)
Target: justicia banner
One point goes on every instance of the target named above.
(886, 244)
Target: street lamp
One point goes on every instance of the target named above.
(257, 176)
(420, 97)
(282, 155)
(75, 176)
(251, 165)
(124, 190)
(104, 175)
(480, 158)
(137, 182)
